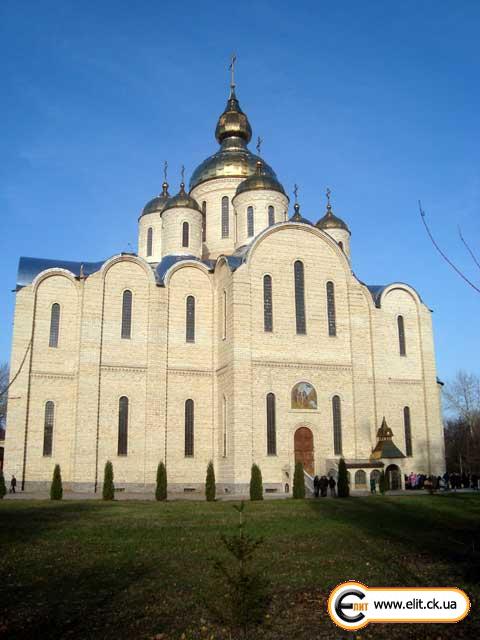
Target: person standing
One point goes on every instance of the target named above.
(316, 486)
(13, 484)
(323, 486)
(332, 484)
(373, 484)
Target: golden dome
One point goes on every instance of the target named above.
(182, 199)
(233, 122)
(331, 221)
(157, 203)
(260, 180)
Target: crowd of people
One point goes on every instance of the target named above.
(322, 484)
(449, 481)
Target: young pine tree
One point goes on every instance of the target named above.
(382, 482)
(3, 488)
(56, 488)
(343, 490)
(244, 592)
(256, 484)
(299, 481)
(210, 488)
(161, 490)
(108, 492)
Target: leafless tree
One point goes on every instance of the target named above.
(4, 373)
(445, 256)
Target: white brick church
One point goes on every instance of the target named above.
(237, 334)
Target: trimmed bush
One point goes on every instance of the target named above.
(56, 488)
(343, 490)
(210, 488)
(299, 481)
(3, 488)
(382, 482)
(108, 492)
(256, 484)
(161, 490)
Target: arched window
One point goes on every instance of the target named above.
(54, 325)
(185, 234)
(267, 303)
(224, 418)
(250, 223)
(225, 218)
(304, 396)
(224, 315)
(340, 244)
(204, 221)
(189, 427)
(127, 314)
(271, 426)
(300, 297)
(360, 478)
(48, 428)
(401, 336)
(271, 216)
(337, 425)
(149, 241)
(190, 319)
(332, 324)
(122, 426)
(408, 431)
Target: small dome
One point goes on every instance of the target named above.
(260, 180)
(233, 122)
(182, 199)
(297, 217)
(157, 203)
(330, 221)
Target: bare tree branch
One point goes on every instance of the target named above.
(444, 256)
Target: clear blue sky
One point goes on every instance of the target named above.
(378, 100)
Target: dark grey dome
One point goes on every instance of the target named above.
(297, 217)
(157, 203)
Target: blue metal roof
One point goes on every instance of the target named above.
(29, 268)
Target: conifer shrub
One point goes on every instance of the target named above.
(243, 593)
(56, 488)
(210, 488)
(3, 488)
(161, 489)
(256, 484)
(108, 492)
(299, 481)
(343, 489)
(382, 482)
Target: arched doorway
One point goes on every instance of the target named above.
(303, 446)
(393, 477)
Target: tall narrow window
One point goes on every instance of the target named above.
(340, 244)
(225, 218)
(300, 297)
(48, 428)
(250, 222)
(190, 319)
(127, 314)
(267, 303)
(332, 325)
(224, 315)
(185, 234)
(408, 431)
(204, 221)
(224, 418)
(189, 426)
(271, 426)
(337, 426)
(122, 426)
(271, 216)
(401, 336)
(149, 241)
(54, 325)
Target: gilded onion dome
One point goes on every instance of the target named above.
(260, 180)
(182, 199)
(331, 221)
(158, 203)
(233, 159)
(297, 217)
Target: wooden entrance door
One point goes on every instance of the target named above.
(303, 446)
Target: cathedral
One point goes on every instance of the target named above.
(238, 333)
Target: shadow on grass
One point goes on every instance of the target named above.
(442, 528)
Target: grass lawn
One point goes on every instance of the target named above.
(125, 569)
